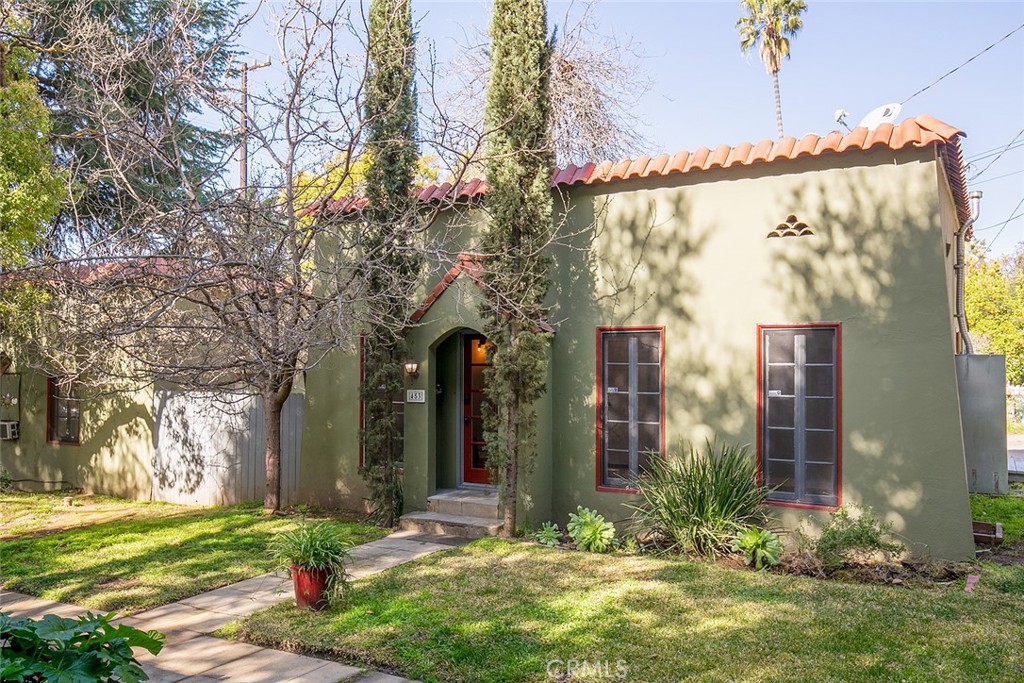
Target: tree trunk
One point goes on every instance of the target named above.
(272, 405)
(778, 102)
(511, 497)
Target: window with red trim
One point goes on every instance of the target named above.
(631, 403)
(799, 387)
(64, 410)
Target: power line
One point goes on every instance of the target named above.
(1013, 215)
(953, 71)
(998, 177)
(992, 152)
(997, 225)
(1009, 144)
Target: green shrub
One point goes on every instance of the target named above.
(846, 539)
(5, 480)
(83, 650)
(589, 531)
(761, 548)
(548, 534)
(318, 546)
(699, 501)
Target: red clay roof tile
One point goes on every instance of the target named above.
(921, 131)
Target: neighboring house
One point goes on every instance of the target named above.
(146, 443)
(796, 295)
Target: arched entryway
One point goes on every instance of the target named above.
(461, 453)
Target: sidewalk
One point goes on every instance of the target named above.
(191, 655)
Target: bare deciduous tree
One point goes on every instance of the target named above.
(596, 81)
(210, 287)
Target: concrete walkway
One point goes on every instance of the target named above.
(192, 655)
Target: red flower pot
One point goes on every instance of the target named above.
(310, 586)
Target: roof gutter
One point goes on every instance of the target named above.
(959, 267)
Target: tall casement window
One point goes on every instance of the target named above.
(64, 411)
(799, 397)
(630, 410)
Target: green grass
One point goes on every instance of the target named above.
(496, 611)
(130, 565)
(29, 513)
(1006, 509)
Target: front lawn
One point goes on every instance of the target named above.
(38, 513)
(131, 565)
(499, 611)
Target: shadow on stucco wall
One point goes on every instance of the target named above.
(634, 260)
(877, 265)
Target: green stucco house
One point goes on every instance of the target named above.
(795, 295)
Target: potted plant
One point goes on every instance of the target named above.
(316, 554)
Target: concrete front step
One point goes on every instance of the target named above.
(452, 525)
(466, 503)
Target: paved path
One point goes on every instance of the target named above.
(191, 655)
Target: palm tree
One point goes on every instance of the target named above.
(771, 23)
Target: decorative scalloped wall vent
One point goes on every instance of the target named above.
(793, 227)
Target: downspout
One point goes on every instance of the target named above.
(959, 268)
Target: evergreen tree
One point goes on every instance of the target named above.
(519, 164)
(32, 186)
(78, 87)
(390, 111)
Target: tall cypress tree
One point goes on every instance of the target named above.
(519, 163)
(390, 111)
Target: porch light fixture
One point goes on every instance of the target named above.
(412, 368)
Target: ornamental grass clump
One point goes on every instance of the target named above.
(699, 501)
(317, 547)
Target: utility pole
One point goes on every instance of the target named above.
(243, 128)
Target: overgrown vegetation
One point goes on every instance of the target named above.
(697, 501)
(131, 565)
(88, 649)
(500, 611)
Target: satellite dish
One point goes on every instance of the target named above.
(887, 113)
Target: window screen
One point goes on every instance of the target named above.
(800, 418)
(631, 403)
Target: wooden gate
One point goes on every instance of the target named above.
(208, 448)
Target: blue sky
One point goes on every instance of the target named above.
(850, 55)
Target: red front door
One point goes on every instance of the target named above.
(474, 450)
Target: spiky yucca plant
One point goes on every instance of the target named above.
(697, 502)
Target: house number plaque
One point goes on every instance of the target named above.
(415, 396)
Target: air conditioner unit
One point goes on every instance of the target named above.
(9, 430)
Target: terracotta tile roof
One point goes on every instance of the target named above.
(466, 263)
(472, 265)
(921, 131)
